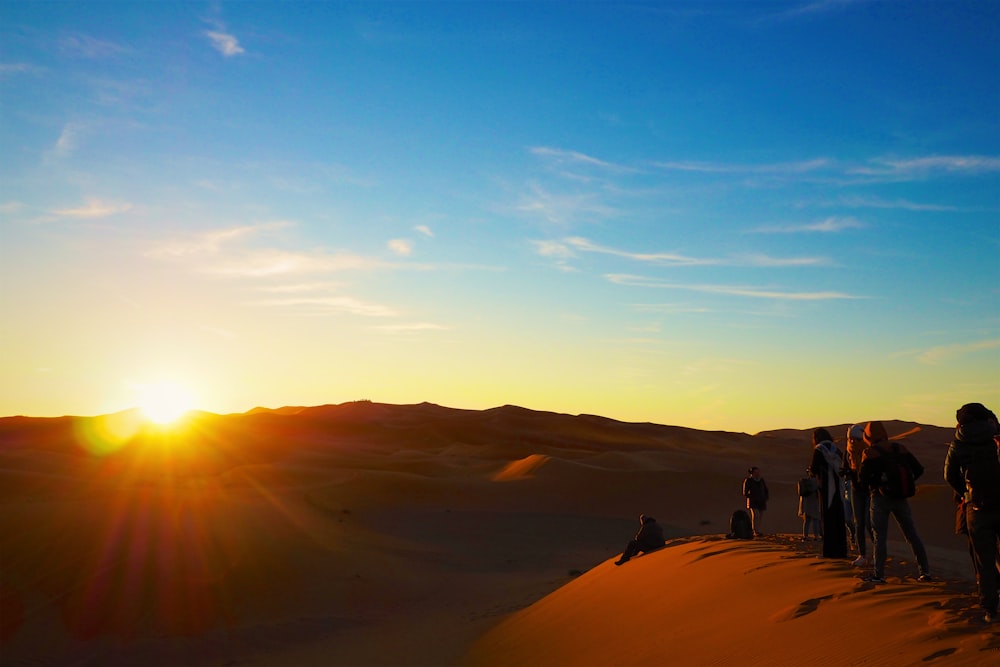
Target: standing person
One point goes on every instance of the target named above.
(809, 506)
(649, 538)
(972, 468)
(860, 493)
(757, 495)
(891, 471)
(826, 462)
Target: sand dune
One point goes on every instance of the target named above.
(369, 534)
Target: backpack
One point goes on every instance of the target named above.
(740, 527)
(982, 477)
(897, 476)
(808, 486)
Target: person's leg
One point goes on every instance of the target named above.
(880, 525)
(631, 549)
(758, 522)
(859, 502)
(904, 517)
(983, 532)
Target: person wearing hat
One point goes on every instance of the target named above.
(972, 468)
(859, 493)
(649, 538)
(882, 464)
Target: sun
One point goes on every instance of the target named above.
(164, 402)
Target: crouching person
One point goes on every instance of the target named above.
(649, 538)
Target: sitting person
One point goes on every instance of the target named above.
(649, 538)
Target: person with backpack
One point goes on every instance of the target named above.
(809, 507)
(890, 471)
(826, 463)
(972, 469)
(859, 493)
(649, 538)
(757, 495)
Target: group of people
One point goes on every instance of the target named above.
(855, 492)
(850, 495)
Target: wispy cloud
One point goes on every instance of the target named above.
(901, 204)
(728, 290)
(943, 353)
(924, 166)
(224, 42)
(344, 304)
(410, 327)
(563, 209)
(271, 262)
(570, 247)
(94, 208)
(736, 168)
(85, 46)
(68, 141)
(401, 247)
(573, 157)
(213, 240)
(16, 68)
(826, 226)
(425, 230)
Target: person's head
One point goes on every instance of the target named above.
(754, 472)
(821, 435)
(856, 433)
(645, 518)
(875, 432)
(973, 412)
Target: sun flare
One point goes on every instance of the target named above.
(164, 402)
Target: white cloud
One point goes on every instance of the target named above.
(425, 230)
(728, 290)
(924, 166)
(85, 46)
(68, 141)
(829, 225)
(415, 326)
(585, 245)
(212, 241)
(344, 304)
(566, 248)
(15, 68)
(273, 262)
(573, 157)
(224, 43)
(94, 208)
(902, 204)
(732, 168)
(941, 353)
(401, 247)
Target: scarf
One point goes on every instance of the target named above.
(833, 462)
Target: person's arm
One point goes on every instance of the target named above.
(953, 472)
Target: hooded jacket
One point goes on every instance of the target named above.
(973, 443)
(873, 463)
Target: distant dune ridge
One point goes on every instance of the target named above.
(374, 534)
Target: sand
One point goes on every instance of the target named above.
(370, 534)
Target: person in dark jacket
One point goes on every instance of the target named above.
(757, 495)
(972, 469)
(649, 538)
(874, 469)
(826, 465)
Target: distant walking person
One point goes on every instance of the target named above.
(649, 538)
(826, 462)
(809, 507)
(757, 495)
(891, 471)
(860, 494)
(972, 468)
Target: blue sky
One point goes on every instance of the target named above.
(727, 215)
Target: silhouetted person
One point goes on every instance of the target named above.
(649, 538)
(972, 469)
(860, 495)
(757, 495)
(809, 506)
(883, 468)
(826, 462)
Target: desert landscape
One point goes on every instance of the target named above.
(374, 534)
